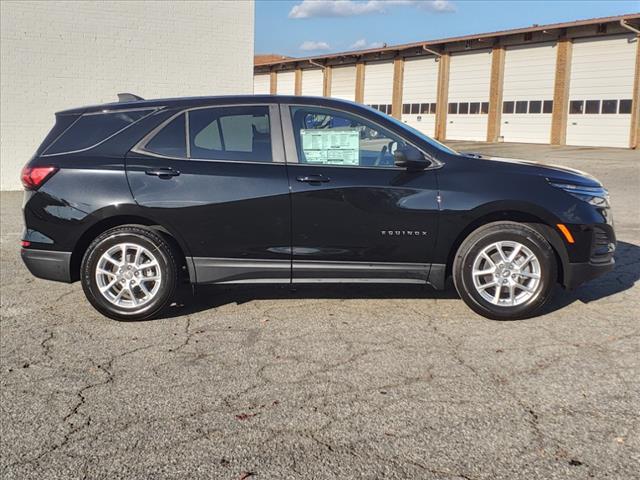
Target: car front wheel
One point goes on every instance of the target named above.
(505, 271)
(129, 273)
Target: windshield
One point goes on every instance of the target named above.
(431, 141)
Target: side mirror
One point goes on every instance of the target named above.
(410, 158)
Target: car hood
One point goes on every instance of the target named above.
(553, 172)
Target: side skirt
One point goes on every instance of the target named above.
(237, 270)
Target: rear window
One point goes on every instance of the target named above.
(94, 128)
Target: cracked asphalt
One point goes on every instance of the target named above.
(328, 381)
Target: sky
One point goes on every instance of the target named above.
(301, 28)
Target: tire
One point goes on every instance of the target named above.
(140, 287)
(478, 264)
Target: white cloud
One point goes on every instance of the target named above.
(349, 8)
(439, 6)
(310, 45)
(358, 44)
(361, 44)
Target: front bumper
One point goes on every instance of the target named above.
(48, 264)
(578, 273)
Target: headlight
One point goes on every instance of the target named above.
(596, 196)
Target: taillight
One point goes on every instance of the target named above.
(34, 177)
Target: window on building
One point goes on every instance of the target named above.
(463, 108)
(424, 108)
(485, 107)
(406, 108)
(474, 107)
(171, 141)
(453, 108)
(432, 108)
(547, 106)
(625, 106)
(335, 138)
(576, 106)
(507, 107)
(609, 106)
(521, 106)
(230, 133)
(535, 106)
(415, 108)
(592, 106)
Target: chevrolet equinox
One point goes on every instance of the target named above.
(133, 197)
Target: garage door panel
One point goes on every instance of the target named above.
(529, 77)
(378, 82)
(262, 84)
(527, 128)
(469, 81)
(286, 83)
(312, 82)
(343, 82)
(420, 87)
(467, 127)
(601, 69)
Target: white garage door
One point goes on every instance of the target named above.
(529, 75)
(419, 93)
(312, 81)
(378, 85)
(286, 83)
(262, 84)
(600, 91)
(469, 80)
(343, 82)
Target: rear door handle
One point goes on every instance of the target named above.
(166, 172)
(313, 179)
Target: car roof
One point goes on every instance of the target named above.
(190, 102)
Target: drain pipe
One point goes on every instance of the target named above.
(317, 64)
(624, 24)
(433, 52)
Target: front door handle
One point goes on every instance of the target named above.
(313, 179)
(165, 172)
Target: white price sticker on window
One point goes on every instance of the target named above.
(331, 147)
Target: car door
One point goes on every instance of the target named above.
(355, 215)
(216, 176)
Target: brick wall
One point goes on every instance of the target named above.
(62, 54)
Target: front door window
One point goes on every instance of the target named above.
(334, 138)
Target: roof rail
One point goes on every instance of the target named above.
(128, 97)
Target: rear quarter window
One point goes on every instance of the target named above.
(94, 128)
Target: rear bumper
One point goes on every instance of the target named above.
(578, 273)
(48, 264)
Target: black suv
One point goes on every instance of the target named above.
(133, 197)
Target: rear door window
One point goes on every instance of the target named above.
(240, 133)
(94, 128)
(171, 141)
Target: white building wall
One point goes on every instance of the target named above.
(312, 82)
(62, 54)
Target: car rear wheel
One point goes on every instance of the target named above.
(505, 271)
(129, 273)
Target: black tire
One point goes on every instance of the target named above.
(489, 234)
(136, 235)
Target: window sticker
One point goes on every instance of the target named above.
(331, 147)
